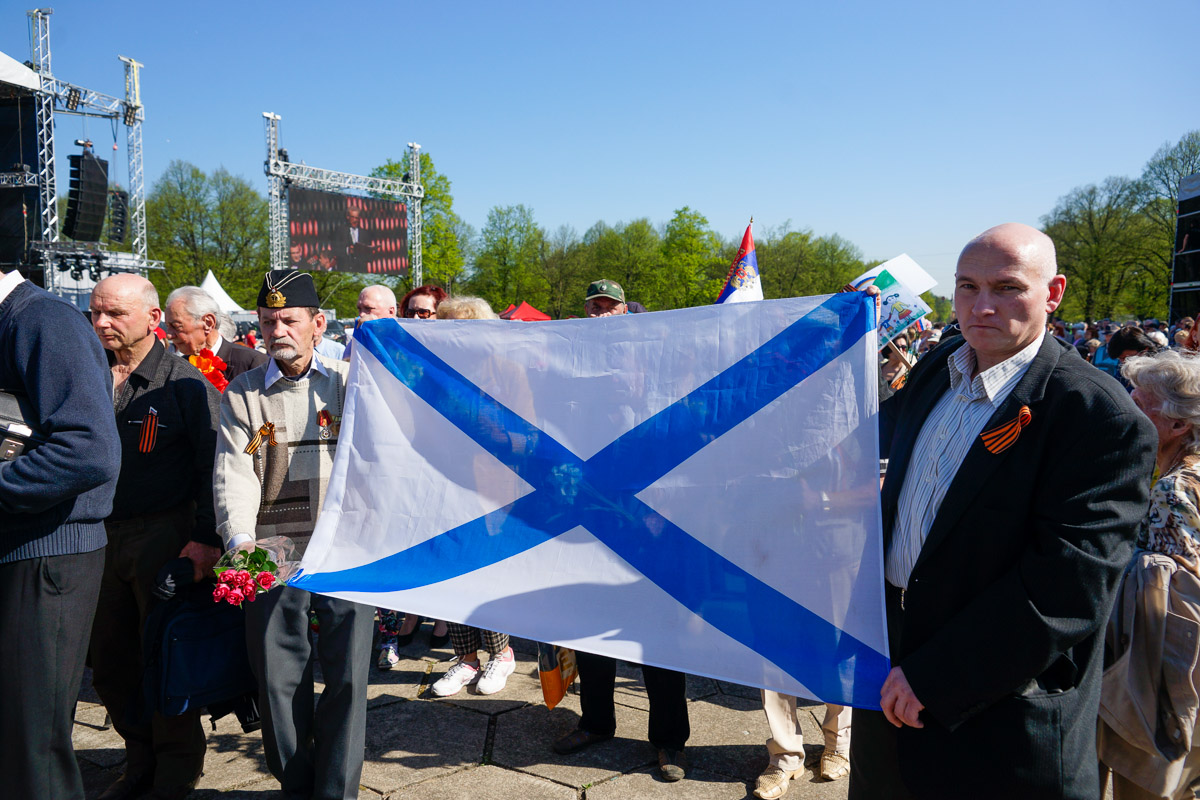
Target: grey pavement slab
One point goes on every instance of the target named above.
(499, 745)
(646, 783)
(486, 782)
(415, 740)
(524, 737)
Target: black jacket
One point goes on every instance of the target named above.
(1002, 627)
(238, 359)
(172, 464)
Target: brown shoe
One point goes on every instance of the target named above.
(128, 787)
(578, 739)
(672, 765)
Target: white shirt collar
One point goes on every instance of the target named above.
(995, 382)
(8, 283)
(274, 373)
(217, 345)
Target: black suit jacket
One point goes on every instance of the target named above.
(238, 359)
(1001, 630)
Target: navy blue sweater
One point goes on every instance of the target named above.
(54, 497)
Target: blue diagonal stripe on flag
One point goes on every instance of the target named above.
(599, 494)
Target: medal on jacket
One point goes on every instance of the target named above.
(325, 422)
(999, 439)
(267, 430)
(150, 428)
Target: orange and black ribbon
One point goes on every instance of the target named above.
(149, 431)
(999, 439)
(268, 430)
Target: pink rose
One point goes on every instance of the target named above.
(227, 576)
(250, 592)
(266, 580)
(235, 597)
(243, 577)
(220, 593)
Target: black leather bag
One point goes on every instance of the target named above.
(18, 425)
(196, 658)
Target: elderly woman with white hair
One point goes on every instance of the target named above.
(1149, 701)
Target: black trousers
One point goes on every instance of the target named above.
(315, 754)
(666, 688)
(172, 748)
(46, 607)
(874, 760)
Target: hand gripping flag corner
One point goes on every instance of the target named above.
(694, 489)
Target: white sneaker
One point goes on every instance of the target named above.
(460, 675)
(496, 673)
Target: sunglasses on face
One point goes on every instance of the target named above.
(423, 313)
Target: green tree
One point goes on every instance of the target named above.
(943, 307)
(564, 269)
(690, 251)
(1170, 164)
(443, 250)
(628, 253)
(1103, 239)
(507, 267)
(794, 263)
(197, 222)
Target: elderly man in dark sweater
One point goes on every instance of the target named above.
(53, 501)
(166, 413)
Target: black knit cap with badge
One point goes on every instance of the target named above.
(288, 288)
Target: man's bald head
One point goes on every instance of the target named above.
(377, 301)
(1023, 243)
(1005, 288)
(133, 287)
(124, 312)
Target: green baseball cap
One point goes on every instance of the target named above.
(605, 288)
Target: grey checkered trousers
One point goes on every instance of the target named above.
(467, 640)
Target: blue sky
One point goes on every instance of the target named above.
(904, 127)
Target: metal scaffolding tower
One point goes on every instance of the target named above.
(59, 97)
(281, 172)
(39, 19)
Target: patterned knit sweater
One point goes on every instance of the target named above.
(277, 488)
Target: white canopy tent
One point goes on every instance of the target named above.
(15, 73)
(213, 287)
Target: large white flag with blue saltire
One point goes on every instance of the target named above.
(695, 489)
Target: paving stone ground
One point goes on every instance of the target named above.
(496, 746)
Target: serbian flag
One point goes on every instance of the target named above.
(742, 283)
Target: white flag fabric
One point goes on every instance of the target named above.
(694, 489)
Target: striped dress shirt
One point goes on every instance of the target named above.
(948, 433)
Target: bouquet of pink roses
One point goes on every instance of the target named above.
(247, 570)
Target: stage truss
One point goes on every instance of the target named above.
(281, 172)
(60, 97)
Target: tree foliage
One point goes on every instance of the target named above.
(196, 222)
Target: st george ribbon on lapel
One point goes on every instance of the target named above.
(814, 656)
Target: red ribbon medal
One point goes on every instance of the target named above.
(325, 422)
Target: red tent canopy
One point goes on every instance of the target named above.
(523, 313)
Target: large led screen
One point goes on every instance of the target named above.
(330, 231)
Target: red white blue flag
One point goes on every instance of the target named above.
(742, 283)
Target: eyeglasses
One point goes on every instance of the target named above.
(423, 313)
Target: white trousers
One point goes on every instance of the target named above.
(786, 745)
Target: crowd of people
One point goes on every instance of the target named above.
(1041, 523)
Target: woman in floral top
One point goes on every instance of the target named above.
(1167, 390)
(1141, 721)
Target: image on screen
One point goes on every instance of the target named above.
(330, 231)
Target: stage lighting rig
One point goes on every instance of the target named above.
(62, 264)
(73, 97)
